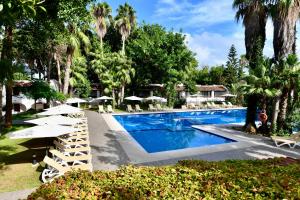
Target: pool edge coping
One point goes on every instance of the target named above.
(138, 155)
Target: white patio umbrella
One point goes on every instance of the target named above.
(60, 110)
(101, 99)
(228, 95)
(55, 120)
(134, 98)
(196, 95)
(45, 131)
(75, 100)
(153, 98)
(164, 100)
(63, 107)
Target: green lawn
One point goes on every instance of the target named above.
(16, 170)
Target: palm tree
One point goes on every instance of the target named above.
(74, 42)
(124, 74)
(125, 22)
(285, 14)
(78, 72)
(254, 15)
(101, 12)
(288, 71)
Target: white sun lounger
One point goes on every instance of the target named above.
(56, 169)
(151, 108)
(68, 149)
(71, 159)
(292, 141)
(138, 108)
(101, 109)
(129, 108)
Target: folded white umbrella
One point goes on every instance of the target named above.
(197, 95)
(228, 95)
(152, 98)
(163, 100)
(101, 98)
(63, 107)
(55, 120)
(60, 110)
(45, 131)
(75, 100)
(134, 98)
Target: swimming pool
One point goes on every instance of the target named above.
(157, 132)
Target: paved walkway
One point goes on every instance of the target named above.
(106, 150)
(108, 147)
(21, 194)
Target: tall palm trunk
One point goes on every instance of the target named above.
(68, 70)
(123, 45)
(114, 98)
(251, 111)
(1, 104)
(9, 104)
(101, 44)
(49, 67)
(58, 71)
(284, 32)
(255, 30)
(7, 55)
(275, 111)
(283, 108)
(122, 93)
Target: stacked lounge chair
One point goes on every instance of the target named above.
(101, 109)
(71, 152)
(137, 108)
(109, 109)
(158, 107)
(129, 108)
(151, 108)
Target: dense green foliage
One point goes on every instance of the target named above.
(260, 179)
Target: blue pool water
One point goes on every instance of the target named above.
(159, 132)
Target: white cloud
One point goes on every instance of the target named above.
(199, 14)
(212, 48)
(210, 45)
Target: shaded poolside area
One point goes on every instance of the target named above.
(111, 147)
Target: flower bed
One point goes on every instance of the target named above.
(267, 179)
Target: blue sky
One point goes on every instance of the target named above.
(209, 25)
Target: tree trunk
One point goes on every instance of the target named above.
(9, 104)
(58, 71)
(123, 45)
(255, 29)
(67, 71)
(251, 111)
(1, 96)
(275, 111)
(122, 93)
(7, 55)
(101, 44)
(114, 98)
(283, 108)
(49, 68)
(284, 32)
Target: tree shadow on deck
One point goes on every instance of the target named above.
(112, 153)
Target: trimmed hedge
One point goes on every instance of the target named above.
(259, 179)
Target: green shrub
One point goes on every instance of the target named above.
(259, 179)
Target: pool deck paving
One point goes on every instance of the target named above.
(113, 147)
(246, 147)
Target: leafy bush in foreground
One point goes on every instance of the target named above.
(259, 179)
